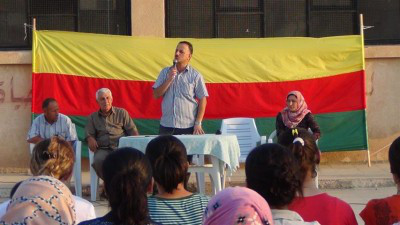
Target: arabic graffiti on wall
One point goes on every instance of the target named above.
(19, 100)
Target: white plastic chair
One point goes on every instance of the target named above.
(217, 179)
(272, 136)
(94, 179)
(77, 165)
(246, 132)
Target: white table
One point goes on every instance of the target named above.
(223, 150)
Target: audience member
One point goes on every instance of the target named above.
(237, 205)
(51, 123)
(4, 205)
(41, 200)
(127, 179)
(55, 157)
(105, 127)
(173, 204)
(386, 210)
(272, 171)
(314, 205)
(296, 115)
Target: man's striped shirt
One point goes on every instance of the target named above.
(63, 127)
(179, 105)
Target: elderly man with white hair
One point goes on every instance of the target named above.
(105, 127)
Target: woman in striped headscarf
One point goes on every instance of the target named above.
(41, 200)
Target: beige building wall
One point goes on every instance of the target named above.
(15, 108)
(382, 81)
(148, 18)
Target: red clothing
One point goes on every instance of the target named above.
(325, 209)
(382, 211)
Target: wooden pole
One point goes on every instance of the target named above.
(34, 23)
(362, 36)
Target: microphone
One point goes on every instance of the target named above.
(174, 62)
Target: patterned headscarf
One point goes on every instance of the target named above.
(41, 200)
(237, 205)
(292, 119)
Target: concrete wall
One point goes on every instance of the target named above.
(15, 108)
(148, 18)
(383, 91)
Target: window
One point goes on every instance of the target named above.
(383, 19)
(13, 15)
(93, 16)
(282, 18)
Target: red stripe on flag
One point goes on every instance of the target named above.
(76, 95)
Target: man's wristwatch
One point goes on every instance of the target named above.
(197, 123)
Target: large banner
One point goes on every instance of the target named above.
(244, 77)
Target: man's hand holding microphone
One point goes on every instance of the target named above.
(173, 71)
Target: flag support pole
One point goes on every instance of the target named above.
(362, 36)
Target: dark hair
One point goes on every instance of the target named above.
(290, 95)
(272, 171)
(168, 159)
(53, 157)
(127, 175)
(188, 44)
(394, 157)
(47, 101)
(14, 189)
(307, 154)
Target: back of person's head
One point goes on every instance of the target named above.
(41, 200)
(237, 205)
(304, 147)
(272, 171)
(127, 177)
(168, 159)
(53, 157)
(394, 158)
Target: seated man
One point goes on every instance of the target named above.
(105, 127)
(51, 123)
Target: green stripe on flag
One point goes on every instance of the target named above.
(343, 131)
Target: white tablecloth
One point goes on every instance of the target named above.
(224, 147)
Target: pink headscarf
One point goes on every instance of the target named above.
(41, 200)
(237, 205)
(292, 119)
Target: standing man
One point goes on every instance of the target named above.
(51, 123)
(184, 94)
(105, 127)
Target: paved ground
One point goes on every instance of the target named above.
(354, 183)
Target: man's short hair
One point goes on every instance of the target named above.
(47, 101)
(188, 44)
(102, 90)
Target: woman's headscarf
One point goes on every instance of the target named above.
(41, 200)
(292, 119)
(238, 205)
